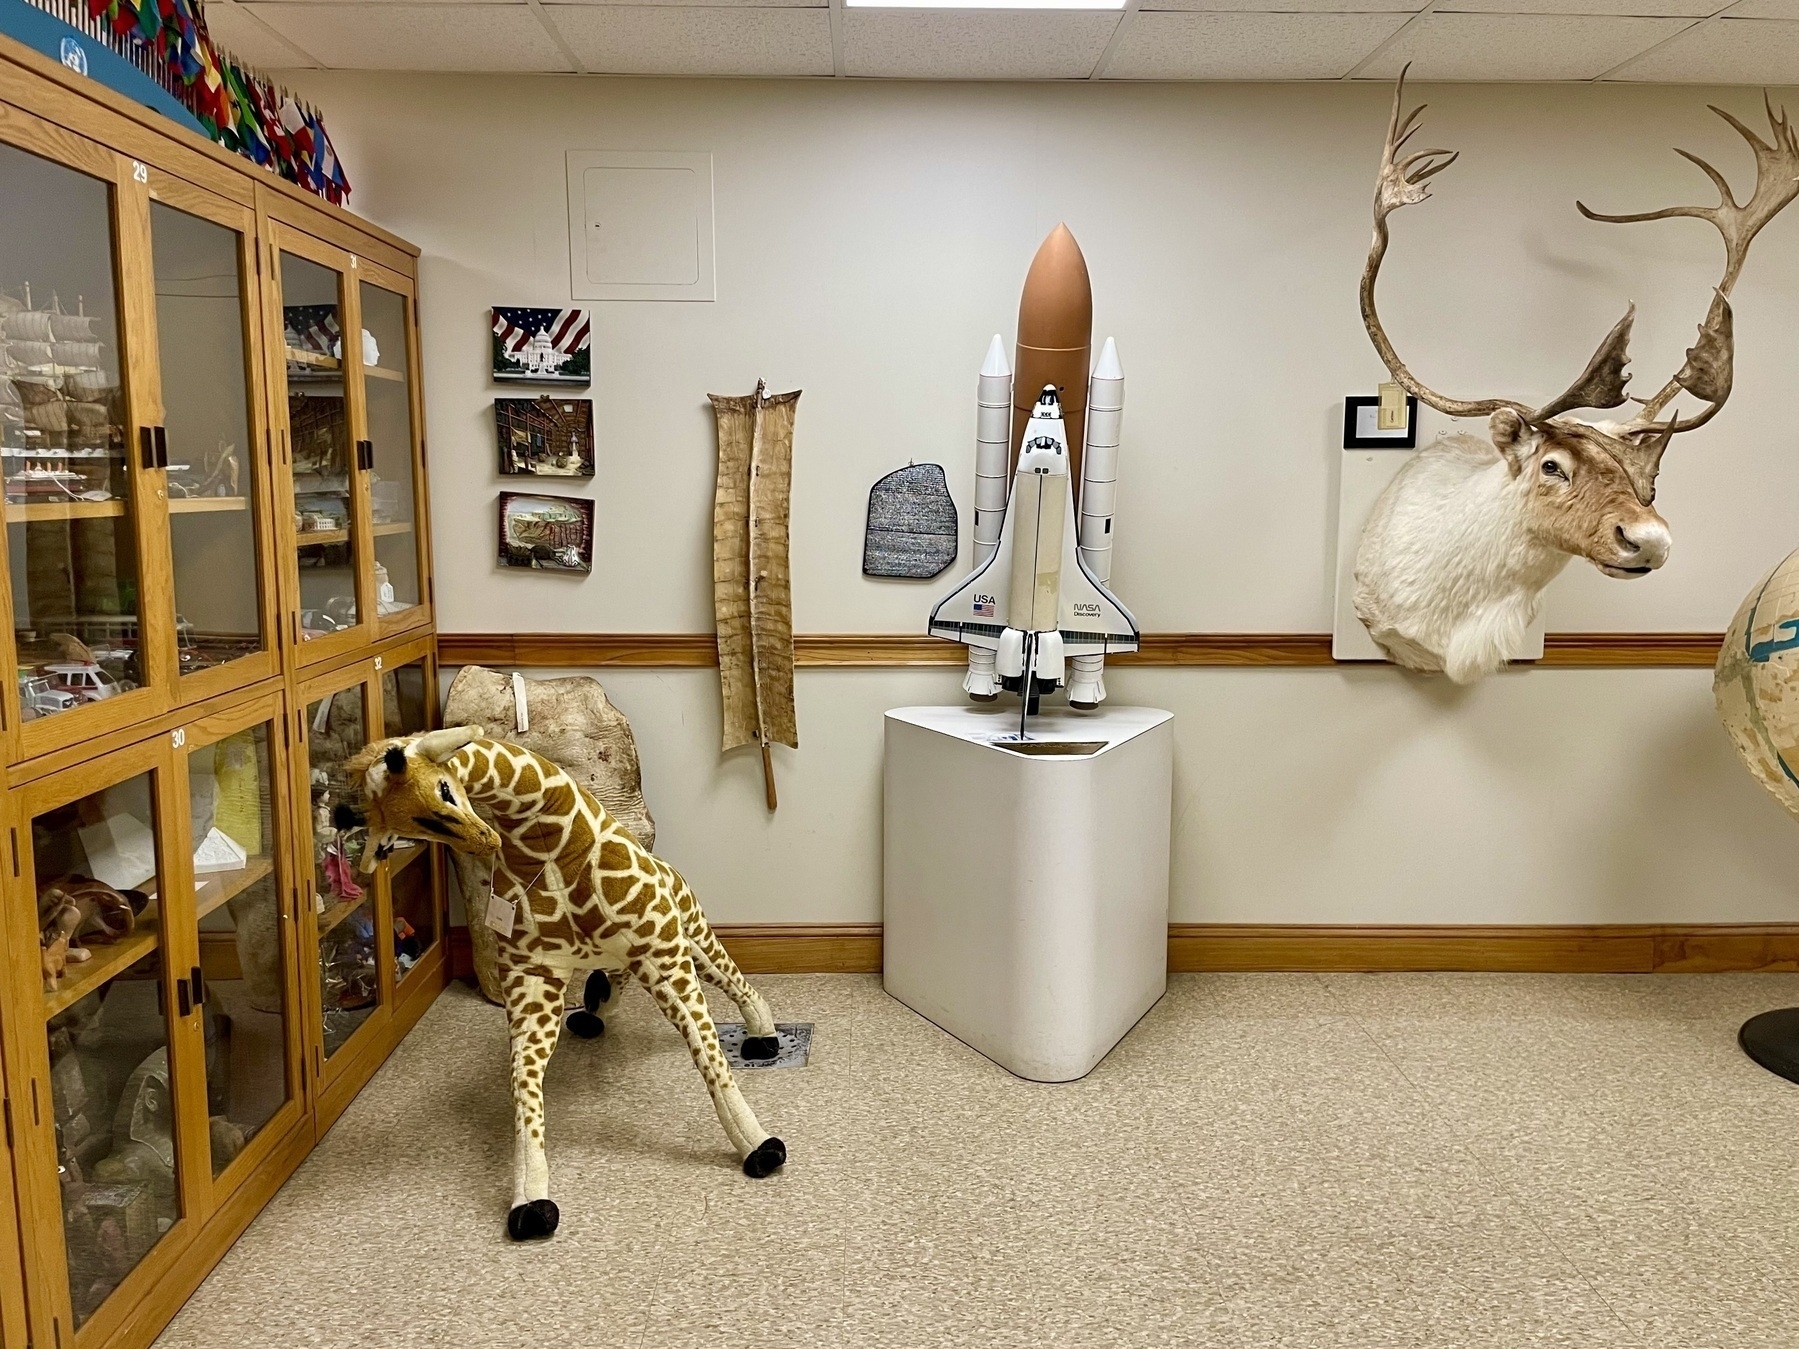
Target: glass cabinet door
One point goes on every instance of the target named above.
(393, 504)
(106, 973)
(321, 452)
(408, 704)
(245, 963)
(345, 912)
(209, 456)
(66, 453)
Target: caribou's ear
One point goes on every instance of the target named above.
(347, 817)
(395, 759)
(440, 745)
(1511, 437)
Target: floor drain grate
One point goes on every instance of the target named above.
(796, 1044)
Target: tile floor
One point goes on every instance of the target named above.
(1440, 1161)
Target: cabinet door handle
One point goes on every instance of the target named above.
(198, 980)
(181, 998)
(146, 444)
(365, 454)
(162, 447)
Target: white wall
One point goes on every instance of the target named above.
(871, 237)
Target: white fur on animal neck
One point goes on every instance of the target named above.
(1452, 564)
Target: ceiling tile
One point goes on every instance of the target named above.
(1519, 46)
(475, 37)
(1692, 9)
(994, 44)
(1725, 51)
(1286, 6)
(679, 40)
(234, 29)
(1168, 46)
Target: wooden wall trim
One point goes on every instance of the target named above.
(1620, 948)
(1268, 650)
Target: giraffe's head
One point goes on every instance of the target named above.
(409, 793)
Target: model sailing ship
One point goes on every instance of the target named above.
(58, 435)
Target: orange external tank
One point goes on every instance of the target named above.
(1055, 341)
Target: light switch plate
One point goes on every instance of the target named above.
(640, 225)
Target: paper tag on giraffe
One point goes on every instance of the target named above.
(501, 914)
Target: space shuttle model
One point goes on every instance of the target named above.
(1035, 613)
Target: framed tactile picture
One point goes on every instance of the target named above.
(1361, 425)
(542, 346)
(544, 436)
(546, 533)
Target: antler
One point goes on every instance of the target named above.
(1404, 182)
(1707, 372)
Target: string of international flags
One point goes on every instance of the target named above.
(239, 109)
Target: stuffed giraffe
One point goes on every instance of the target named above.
(575, 892)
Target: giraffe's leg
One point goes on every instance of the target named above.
(676, 990)
(718, 969)
(533, 1005)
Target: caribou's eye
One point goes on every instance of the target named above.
(443, 790)
(1554, 471)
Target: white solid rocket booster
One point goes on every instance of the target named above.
(993, 420)
(1099, 489)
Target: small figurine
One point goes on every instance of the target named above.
(57, 952)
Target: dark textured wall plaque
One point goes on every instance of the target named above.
(911, 524)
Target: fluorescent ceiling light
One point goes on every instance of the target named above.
(985, 4)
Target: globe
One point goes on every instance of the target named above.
(1756, 682)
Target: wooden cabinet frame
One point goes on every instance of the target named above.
(401, 1001)
(142, 159)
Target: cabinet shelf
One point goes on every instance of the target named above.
(336, 913)
(80, 980)
(403, 857)
(17, 512)
(215, 888)
(316, 367)
(308, 538)
(204, 505)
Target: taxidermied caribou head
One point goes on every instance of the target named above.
(1456, 554)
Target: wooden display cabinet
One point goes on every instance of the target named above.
(136, 478)
(176, 388)
(356, 537)
(165, 1069)
(378, 940)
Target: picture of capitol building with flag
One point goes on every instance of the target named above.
(542, 346)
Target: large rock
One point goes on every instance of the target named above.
(571, 723)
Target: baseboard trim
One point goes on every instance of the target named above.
(803, 948)
(1618, 948)
(1621, 948)
(828, 650)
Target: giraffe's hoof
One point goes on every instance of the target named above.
(766, 1159)
(585, 1024)
(533, 1221)
(597, 991)
(757, 1047)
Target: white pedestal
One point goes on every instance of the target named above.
(1026, 893)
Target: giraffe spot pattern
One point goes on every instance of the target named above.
(593, 898)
